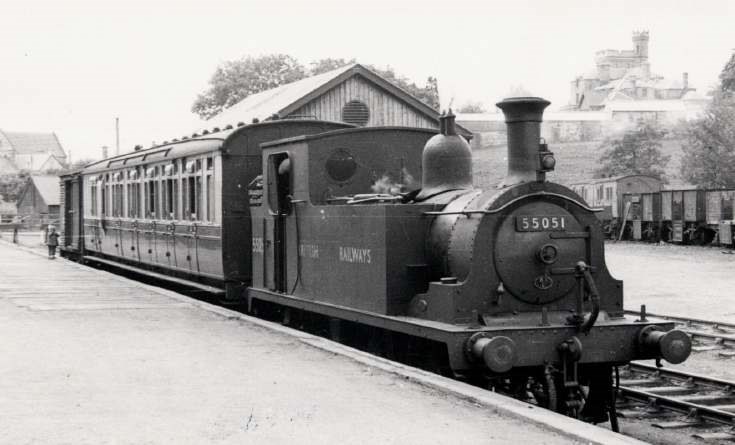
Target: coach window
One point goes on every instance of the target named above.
(174, 184)
(193, 189)
(157, 193)
(209, 183)
(113, 195)
(92, 197)
(199, 193)
(169, 195)
(133, 193)
(119, 196)
(150, 191)
(105, 194)
(114, 183)
(279, 183)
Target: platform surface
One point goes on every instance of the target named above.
(87, 357)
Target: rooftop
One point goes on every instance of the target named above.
(48, 187)
(286, 99)
(29, 143)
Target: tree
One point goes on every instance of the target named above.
(324, 65)
(727, 76)
(636, 151)
(472, 107)
(11, 185)
(237, 79)
(428, 94)
(709, 155)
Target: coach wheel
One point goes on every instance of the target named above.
(704, 235)
(666, 233)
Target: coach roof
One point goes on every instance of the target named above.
(199, 144)
(158, 153)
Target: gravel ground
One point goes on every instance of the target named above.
(685, 281)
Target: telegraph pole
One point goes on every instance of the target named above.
(117, 136)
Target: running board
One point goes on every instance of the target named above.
(155, 275)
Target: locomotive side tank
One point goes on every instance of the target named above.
(512, 282)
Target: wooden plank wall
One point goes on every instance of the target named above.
(385, 109)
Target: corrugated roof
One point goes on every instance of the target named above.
(265, 104)
(28, 143)
(49, 187)
(286, 99)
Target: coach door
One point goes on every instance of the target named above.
(68, 212)
(279, 202)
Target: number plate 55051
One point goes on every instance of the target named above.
(540, 223)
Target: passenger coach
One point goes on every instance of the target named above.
(181, 208)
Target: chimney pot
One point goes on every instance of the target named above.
(523, 116)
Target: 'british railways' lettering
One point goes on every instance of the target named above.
(354, 255)
(309, 250)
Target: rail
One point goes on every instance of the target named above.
(700, 398)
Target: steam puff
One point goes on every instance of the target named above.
(385, 185)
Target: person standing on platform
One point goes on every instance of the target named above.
(52, 242)
(16, 223)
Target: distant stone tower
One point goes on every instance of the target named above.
(640, 43)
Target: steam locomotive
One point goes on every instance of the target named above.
(380, 232)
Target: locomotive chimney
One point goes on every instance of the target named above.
(528, 160)
(446, 161)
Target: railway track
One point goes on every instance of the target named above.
(677, 399)
(706, 335)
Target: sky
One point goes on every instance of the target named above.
(73, 66)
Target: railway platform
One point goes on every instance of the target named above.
(91, 357)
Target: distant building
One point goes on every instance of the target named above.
(624, 75)
(490, 129)
(610, 99)
(38, 203)
(32, 152)
(352, 94)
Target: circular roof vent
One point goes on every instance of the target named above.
(356, 112)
